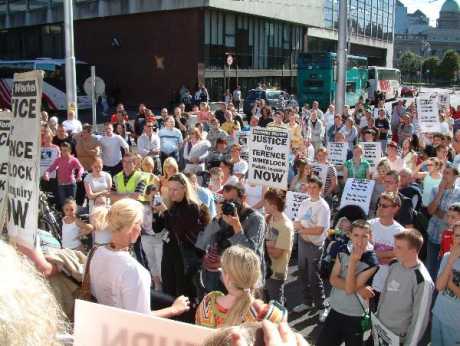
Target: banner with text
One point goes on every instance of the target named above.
(24, 161)
(358, 192)
(5, 123)
(444, 100)
(269, 157)
(320, 170)
(101, 325)
(382, 335)
(372, 153)
(428, 114)
(337, 152)
(293, 202)
(243, 141)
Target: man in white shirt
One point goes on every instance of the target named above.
(111, 145)
(240, 166)
(329, 117)
(237, 97)
(148, 144)
(72, 125)
(383, 229)
(312, 224)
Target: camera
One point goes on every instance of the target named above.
(229, 208)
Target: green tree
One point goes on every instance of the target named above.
(449, 66)
(430, 68)
(410, 64)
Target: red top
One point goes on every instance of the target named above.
(114, 120)
(66, 169)
(447, 240)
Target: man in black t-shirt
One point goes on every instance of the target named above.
(383, 125)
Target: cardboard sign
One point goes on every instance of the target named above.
(5, 123)
(372, 153)
(428, 114)
(337, 153)
(444, 101)
(24, 160)
(357, 192)
(243, 142)
(293, 202)
(320, 170)
(101, 325)
(382, 335)
(269, 157)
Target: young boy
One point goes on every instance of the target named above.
(352, 270)
(453, 216)
(404, 305)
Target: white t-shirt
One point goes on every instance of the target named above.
(314, 214)
(328, 120)
(397, 164)
(383, 240)
(111, 149)
(118, 280)
(98, 184)
(74, 126)
(101, 237)
(70, 232)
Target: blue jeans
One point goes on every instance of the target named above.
(443, 334)
(66, 191)
(432, 260)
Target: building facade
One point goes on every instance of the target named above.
(146, 50)
(425, 40)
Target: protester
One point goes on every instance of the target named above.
(357, 167)
(312, 224)
(72, 125)
(116, 278)
(240, 275)
(97, 183)
(278, 242)
(196, 151)
(405, 302)
(112, 145)
(170, 140)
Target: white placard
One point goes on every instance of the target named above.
(24, 161)
(47, 157)
(5, 123)
(337, 152)
(382, 335)
(358, 192)
(320, 170)
(269, 157)
(293, 202)
(100, 325)
(444, 100)
(428, 114)
(372, 153)
(243, 142)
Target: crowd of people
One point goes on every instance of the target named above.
(176, 229)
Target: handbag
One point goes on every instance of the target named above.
(84, 293)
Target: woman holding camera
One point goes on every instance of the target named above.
(184, 217)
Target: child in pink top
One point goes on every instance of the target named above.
(69, 172)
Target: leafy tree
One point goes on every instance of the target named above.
(430, 68)
(409, 64)
(449, 66)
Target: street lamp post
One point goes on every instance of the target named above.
(341, 57)
(70, 73)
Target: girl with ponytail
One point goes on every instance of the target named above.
(241, 275)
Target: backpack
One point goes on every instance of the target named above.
(333, 245)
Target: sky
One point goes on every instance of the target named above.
(429, 7)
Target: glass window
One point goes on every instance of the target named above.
(220, 29)
(214, 25)
(207, 28)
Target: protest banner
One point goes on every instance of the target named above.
(358, 192)
(444, 101)
(5, 122)
(101, 325)
(320, 170)
(243, 142)
(428, 114)
(382, 335)
(269, 157)
(24, 160)
(337, 152)
(293, 202)
(372, 153)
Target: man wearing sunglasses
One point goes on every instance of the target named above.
(383, 229)
(148, 144)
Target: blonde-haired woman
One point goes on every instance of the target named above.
(117, 279)
(241, 275)
(148, 167)
(184, 217)
(30, 314)
(170, 168)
